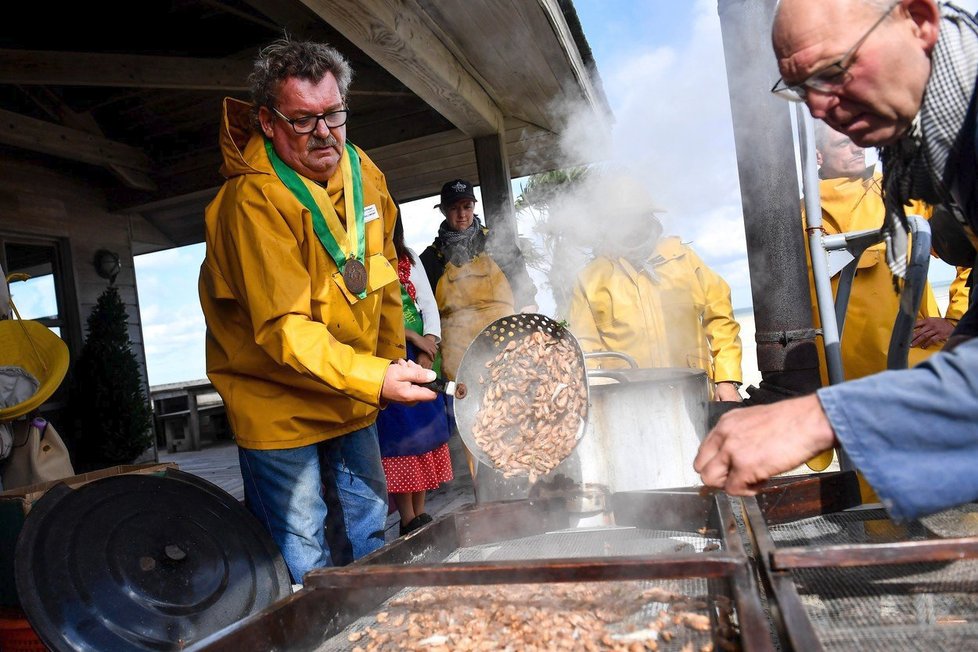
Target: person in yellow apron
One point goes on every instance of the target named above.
(851, 201)
(473, 285)
(655, 299)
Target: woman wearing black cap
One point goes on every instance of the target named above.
(474, 285)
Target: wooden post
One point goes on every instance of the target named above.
(194, 418)
(497, 193)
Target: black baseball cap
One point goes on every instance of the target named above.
(455, 190)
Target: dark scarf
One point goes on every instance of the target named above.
(459, 247)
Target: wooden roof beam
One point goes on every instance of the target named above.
(395, 35)
(32, 67)
(35, 67)
(49, 138)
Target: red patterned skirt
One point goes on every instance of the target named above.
(418, 472)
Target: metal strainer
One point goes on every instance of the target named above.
(485, 347)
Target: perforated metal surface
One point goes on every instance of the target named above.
(920, 606)
(537, 599)
(484, 348)
(598, 542)
(858, 526)
(906, 607)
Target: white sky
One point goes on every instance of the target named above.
(662, 67)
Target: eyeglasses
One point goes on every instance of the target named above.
(307, 123)
(832, 77)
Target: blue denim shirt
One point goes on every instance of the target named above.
(913, 433)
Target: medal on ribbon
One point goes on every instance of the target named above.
(325, 221)
(355, 276)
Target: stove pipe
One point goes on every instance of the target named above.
(786, 351)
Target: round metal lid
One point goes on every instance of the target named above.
(140, 562)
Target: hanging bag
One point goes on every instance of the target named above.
(38, 455)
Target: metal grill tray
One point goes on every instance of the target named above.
(678, 541)
(856, 580)
(631, 621)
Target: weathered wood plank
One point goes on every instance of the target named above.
(122, 70)
(394, 35)
(41, 136)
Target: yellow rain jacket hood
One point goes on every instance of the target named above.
(295, 356)
(855, 205)
(677, 313)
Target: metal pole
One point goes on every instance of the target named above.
(816, 248)
(786, 353)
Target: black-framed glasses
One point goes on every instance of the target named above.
(307, 124)
(832, 77)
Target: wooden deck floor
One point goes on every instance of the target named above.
(218, 464)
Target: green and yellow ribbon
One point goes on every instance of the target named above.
(325, 221)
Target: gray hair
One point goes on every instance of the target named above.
(285, 58)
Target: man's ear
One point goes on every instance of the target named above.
(926, 17)
(265, 119)
(818, 157)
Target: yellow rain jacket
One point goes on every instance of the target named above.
(679, 315)
(958, 294)
(469, 298)
(296, 357)
(855, 205)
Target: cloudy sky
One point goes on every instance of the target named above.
(661, 63)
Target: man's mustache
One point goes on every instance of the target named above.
(315, 142)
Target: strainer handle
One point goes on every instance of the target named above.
(613, 354)
(604, 373)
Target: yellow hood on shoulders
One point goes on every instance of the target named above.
(241, 152)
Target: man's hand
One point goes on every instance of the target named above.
(727, 391)
(750, 445)
(931, 330)
(425, 360)
(402, 383)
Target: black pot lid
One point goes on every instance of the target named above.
(143, 562)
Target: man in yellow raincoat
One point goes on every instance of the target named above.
(851, 201)
(302, 304)
(654, 299)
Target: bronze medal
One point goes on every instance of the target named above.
(355, 276)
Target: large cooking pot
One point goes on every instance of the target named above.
(644, 428)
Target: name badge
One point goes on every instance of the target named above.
(370, 213)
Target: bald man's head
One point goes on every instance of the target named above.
(861, 65)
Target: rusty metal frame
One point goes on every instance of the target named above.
(790, 499)
(334, 598)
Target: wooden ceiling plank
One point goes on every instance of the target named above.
(593, 96)
(40, 136)
(394, 35)
(122, 70)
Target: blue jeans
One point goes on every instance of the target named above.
(324, 504)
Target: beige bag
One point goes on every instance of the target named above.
(38, 455)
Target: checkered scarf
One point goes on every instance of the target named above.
(459, 247)
(916, 166)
